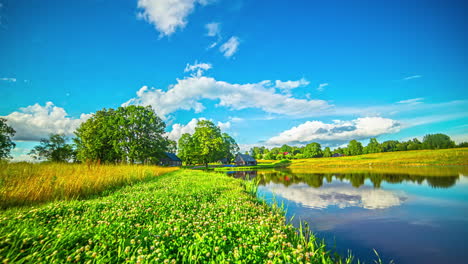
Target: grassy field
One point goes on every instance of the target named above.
(180, 217)
(415, 158)
(27, 183)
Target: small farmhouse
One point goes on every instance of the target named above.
(170, 159)
(245, 160)
(337, 155)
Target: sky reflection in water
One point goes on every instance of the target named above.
(405, 217)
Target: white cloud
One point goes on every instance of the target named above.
(197, 68)
(178, 129)
(337, 132)
(224, 126)
(35, 122)
(341, 196)
(230, 47)
(213, 29)
(6, 79)
(187, 93)
(167, 15)
(412, 77)
(289, 85)
(321, 87)
(411, 101)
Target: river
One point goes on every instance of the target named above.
(419, 216)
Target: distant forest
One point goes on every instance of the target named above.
(314, 149)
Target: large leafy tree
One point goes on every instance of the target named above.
(139, 135)
(437, 141)
(187, 149)
(354, 148)
(327, 152)
(313, 150)
(95, 138)
(54, 148)
(373, 146)
(230, 148)
(389, 145)
(6, 145)
(128, 134)
(209, 142)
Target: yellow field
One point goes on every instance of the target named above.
(418, 162)
(26, 183)
(442, 157)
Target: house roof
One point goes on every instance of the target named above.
(245, 157)
(172, 156)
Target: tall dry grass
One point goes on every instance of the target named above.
(27, 184)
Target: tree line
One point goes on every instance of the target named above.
(130, 134)
(354, 147)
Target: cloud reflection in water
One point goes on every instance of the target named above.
(339, 195)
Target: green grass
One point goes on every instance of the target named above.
(23, 184)
(180, 217)
(415, 158)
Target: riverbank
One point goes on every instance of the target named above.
(180, 217)
(415, 158)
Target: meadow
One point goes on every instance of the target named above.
(414, 158)
(28, 183)
(180, 217)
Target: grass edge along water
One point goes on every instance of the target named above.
(180, 217)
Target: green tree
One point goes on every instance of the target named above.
(373, 146)
(286, 148)
(437, 141)
(230, 148)
(171, 146)
(128, 134)
(389, 145)
(209, 142)
(313, 150)
(327, 152)
(53, 149)
(6, 145)
(187, 149)
(354, 148)
(414, 144)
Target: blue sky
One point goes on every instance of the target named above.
(268, 72)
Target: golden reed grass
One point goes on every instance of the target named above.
(27, 184)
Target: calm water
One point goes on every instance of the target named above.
(407, 218)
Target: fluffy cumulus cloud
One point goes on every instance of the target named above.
(230, 47)
(179, 129)
(187, 93)
(35, 122)
(341, 196)
(167, 15)
(289, 85)
(337, 132)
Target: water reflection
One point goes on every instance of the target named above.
(340, 195)
(414, 215)
(289, 177)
